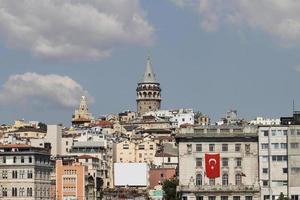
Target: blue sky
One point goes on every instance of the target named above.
(206, 56)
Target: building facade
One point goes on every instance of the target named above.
(238, 164)
(148, 92)
(24, 172)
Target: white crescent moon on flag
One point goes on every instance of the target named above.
(212, 160)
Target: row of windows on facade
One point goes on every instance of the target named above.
(140, 147)
(21, 159)
(221, 198)
(70, 180)
(275, 158)
(23, 174)
(70, 172)
(212, 147)
(293, 197)
(14, 192)
(277, 183)
(266, 170)
(225, 181)
(281, 132)
(69, 189)
(293, 145)
(225, 161)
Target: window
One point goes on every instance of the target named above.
(265, 170)
(238, 162)
(125, 146)
(151, 147)
(29, 192)
(15, 159)
(199, 179)
(248, 198)
(236, 197)
(237, 147)
(22, 159)
(238, 179)
(279, 158)
(199, 197)
(284, 170)
(169, 159)
(224, 147)
(30, 159)
(211, 147)
(225, 179)
(4, 192)
(141, 147)
(15, 174)
(284, 132)
(224, 162)
(275, 145)
(266, 133)
(189, 148)
(212, 181)
(140, 155)
(198, 162)
(21, 192)
(266, 197)
(29, 174)
(295, 197)
(247, 148)
(184, 198)
(274, 132)
(264, 145)
(22, 174)
(14, 192)
(224, 197)
(4, 159)
(283, 145)
(211, 197)
(294, 145)
(265, 158)
(265, 183)
(4, 174)
(198, 147)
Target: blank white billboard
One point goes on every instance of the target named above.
(131, 174)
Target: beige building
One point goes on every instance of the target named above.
(24, 172)
(138, 150)
(238, 151)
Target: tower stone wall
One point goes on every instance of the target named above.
(148, 92)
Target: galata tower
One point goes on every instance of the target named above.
(148, 91)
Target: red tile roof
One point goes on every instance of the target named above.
(14, 146)
(86, 157)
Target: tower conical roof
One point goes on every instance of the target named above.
(149, 76)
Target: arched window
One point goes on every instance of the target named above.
(225, 179)
(212, 181)
(150, 94)
(238, 179)
(199, 179)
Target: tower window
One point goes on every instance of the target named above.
(150, 107)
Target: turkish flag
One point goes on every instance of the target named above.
(212, 165)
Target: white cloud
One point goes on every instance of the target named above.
(37, 89)
(278, 18)
(73, 29)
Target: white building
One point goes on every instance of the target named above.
(54, 136)
(238, 164)
(177, 117)
(279, 161)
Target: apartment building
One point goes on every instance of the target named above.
(24, 172)
(236, 151)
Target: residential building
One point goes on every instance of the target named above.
(70, 180)
(237, 147)
(273, 161)
(25, 172)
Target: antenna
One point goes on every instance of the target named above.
(293, 106)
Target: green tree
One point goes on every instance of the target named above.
(42, 126)
(169, 188)
(282, 197)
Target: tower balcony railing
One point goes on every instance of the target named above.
(218, 188)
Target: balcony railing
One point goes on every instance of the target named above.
(220, 188)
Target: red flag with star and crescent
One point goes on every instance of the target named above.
(212, 165)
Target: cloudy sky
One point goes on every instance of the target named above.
(209, 55)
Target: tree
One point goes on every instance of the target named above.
(282, 197)
(169, 188)
(42, 126)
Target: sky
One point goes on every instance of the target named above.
(208, 55)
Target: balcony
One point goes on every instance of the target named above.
(218, 188)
